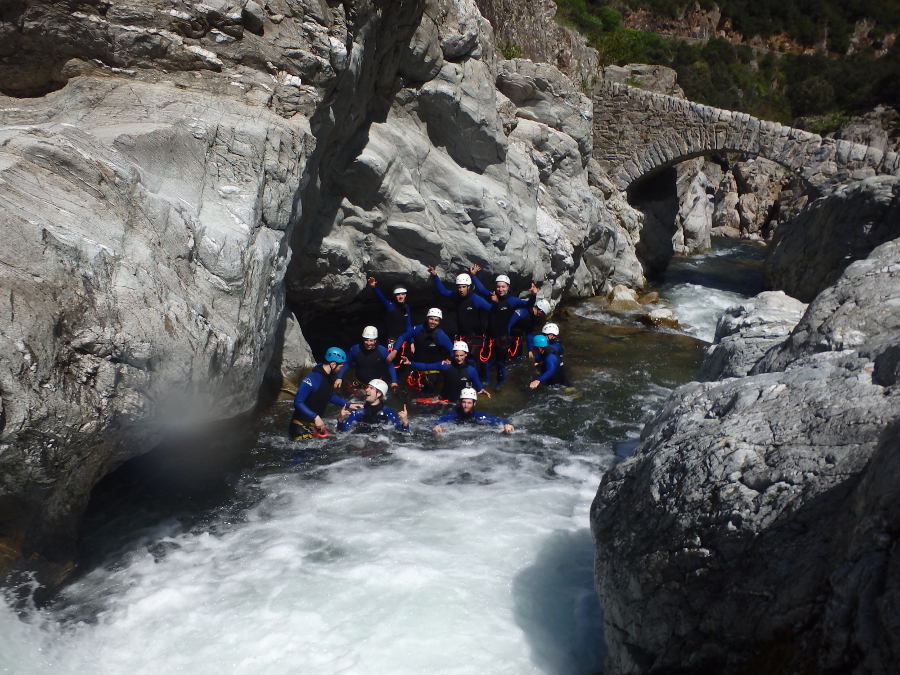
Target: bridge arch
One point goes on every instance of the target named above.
(638, 132)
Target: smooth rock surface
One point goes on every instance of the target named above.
(745, 332)
(755, 528)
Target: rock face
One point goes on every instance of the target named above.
(484, 161)
(161, 163)
(747, 331)
(755, 527)
(810, 252)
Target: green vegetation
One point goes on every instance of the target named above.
(780, 87)
(510, 50)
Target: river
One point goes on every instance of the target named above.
(468, 553)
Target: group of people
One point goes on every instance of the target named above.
(489, 328)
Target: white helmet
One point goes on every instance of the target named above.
(399, 290)
(543, 305)
(469, 393)
(550, 329)
(435, 311)
(370, 333)
(463, 280)
(380, 385)
(503, 278)
(460, 346)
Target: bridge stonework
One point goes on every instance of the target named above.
(638, 132)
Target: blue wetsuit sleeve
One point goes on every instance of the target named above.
(443, 340)
(472, 372)
(517, 303)
(447, 417)
(307, 386)
(484, 418)
(551, 363)
(517, 316)
(337, 400)
(480, 287)
(351, 357)
(408, 335)
(347, 423)
(392, 372)
(440, 288)
(392, 415)
(480, 302)
(436, 365)
(388, 305)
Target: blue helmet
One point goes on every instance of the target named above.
(540, 341)
(335, 355)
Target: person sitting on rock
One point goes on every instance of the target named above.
(458, 374)
(471, 308)
(369, 360)
(314, 394)
(524, 324)
(548, 362)
(465, 413)
(374, 412)
(398, 315)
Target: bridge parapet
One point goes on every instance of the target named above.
(639, 132)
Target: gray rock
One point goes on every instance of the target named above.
(747, 331)
(809, 253)
(757, 520)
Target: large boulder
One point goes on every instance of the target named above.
(810, 252)
(755, 528)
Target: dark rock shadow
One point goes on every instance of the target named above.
(556, 606)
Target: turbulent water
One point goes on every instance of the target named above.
(388, 553)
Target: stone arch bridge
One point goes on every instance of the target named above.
(638, 132)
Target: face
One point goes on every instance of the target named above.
(459, 356)
(502, 288)
(462, 290)
(400, 298)
(432, 322)
(372, 394)
(467, 405)
(368, 344)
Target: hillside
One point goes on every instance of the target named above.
(812, 63)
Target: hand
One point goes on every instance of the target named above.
(370, 281)
(484, 392)
(318, 423)
(432, 271)
(531, 357)
(391, 356)
(446, 362)
(474, 269)
(507, 429)
(356, 406)
(344, 414)
(534, 289)
(404, 361)
(534, 384)
(438, 429)
(493, 297)
(403, 414)
(337, 384)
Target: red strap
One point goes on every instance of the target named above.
(489, 343)
(512, 351)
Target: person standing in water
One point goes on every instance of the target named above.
(314, 394)
(459, 373)
(374, 412)
(549, 363)
(465, 413)
(471, 308)
(369, 360)
(397, 316)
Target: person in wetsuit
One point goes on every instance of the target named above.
(550, 363)
(314, 394)
(498, 339)
(397, 315)
(459, 373)
(427, 343)
(374, 412)
(524, 324)
(369, 360)
(471, 309)
(465, 413)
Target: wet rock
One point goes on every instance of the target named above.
(660, 318)
(745, 332)
(623, 299)
(810, 252)
(755, 509)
